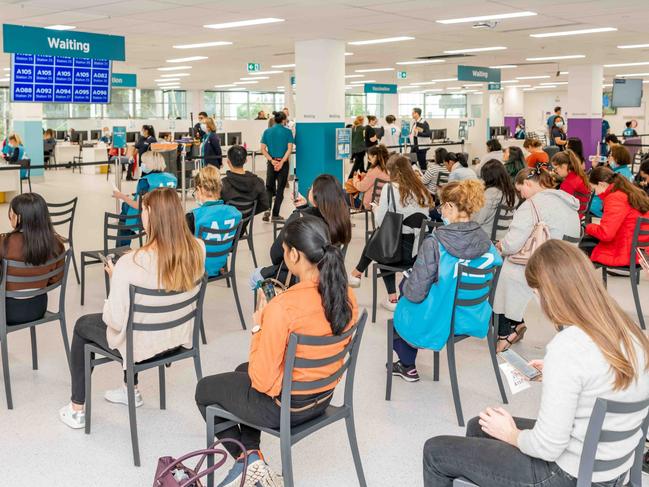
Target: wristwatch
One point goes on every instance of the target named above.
(256, 329)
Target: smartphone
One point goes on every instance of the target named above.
(520, 364)
(269, 289)
(296, 190)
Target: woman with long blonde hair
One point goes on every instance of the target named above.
(172, 260)
(598, 352)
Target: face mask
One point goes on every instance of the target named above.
(559, 124)
(145, 169)
(204, 127)
(446, 221)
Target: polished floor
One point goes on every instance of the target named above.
(39, 450)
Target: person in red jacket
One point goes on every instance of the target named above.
(624, 203)
(575, 182)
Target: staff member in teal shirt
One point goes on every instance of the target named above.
(276, 146)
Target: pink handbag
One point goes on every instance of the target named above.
(172, 472)
(540, 234)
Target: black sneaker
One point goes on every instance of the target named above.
(409, 374)
(277, 219)
(266, 217)
(645, 463)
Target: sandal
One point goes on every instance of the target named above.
(518, 332)
(504, 347)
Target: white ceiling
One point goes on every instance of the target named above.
(152, 27)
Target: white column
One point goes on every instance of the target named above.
(289, 92)
(27, 122)
(514, 107)
(585, 105)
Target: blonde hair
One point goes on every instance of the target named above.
(467, 196)
(209, 123)
(208, 179)
(154, 161)
(15, 137)
(359, 120)
(572, 295)
(181, 260)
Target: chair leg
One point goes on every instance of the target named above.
(604, 277)
(32, 335)
(88, 357)
(236, 300)
(130, 389)
(251, 246)
(197, 366)
(64, 335)
(5, 371)
(107, 284)
(450, 355)
(388, 362)
(83, 278)
(203, 335)
(353, 444)
(374, 285)
(436, 366)
(29, 181)
(287, 461)
(74, 263)
(209, 422)
(636, 298)
(494, 362)
(227, 282)
(161, 381)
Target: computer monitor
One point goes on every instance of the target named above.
(234, 138)
(60, 134)
(131, 136)
(79, 136)
(498, 131)
(439, 134)
(179, 135)
(163, 135)
(221, 137)
(380, 132)
(95, 134)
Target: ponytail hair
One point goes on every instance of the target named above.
(571, 159)
(310, 236)
(541, 174)
(638, 199)
(279, 117)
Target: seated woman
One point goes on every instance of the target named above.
(432, 171)
(599, 352)
(423, 315)
(413, 201)
(172, 260)
(327, 202)
(642, 178)
(623, 203)
(377, 157)
(558, 210)
(536, 153)
(499, 190)
(619, 160)
(458, 167)
(32, 241)
(574, 180)
(13, 150)
(514, 160)
(321, 304)
(212, 213)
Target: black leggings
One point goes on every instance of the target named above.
(359, 163)
(19, 311)
(233, 392)
(407, 260)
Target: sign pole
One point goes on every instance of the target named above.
(183, 190)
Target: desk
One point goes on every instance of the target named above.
(9, 182)
(64, 152)
(93, 154)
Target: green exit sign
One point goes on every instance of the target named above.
(402, 75)
(254, 67)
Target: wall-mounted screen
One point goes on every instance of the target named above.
(627, 92)
(59, 79)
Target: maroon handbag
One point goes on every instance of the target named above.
(172, 472)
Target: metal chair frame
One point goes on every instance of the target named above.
(62, 214)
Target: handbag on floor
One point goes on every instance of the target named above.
(173, 472)
(384, 246)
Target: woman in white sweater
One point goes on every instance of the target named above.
(171, 260)
(407, 195)
(598, 353)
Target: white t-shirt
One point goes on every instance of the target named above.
(391, 136)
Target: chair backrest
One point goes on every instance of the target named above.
(63, 213)
(248, 210)
(474, 286)
(584, 208)
(121, 228)
(572, 240)
(427, 227)
(219, 243)
(588, 464)
(25, 165)
(348, 357)
(640, 240)
(58, 276)
(169, 304)
(502, 219)
(550, 150)
(377, 188)
(442, 178)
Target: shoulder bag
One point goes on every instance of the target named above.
(540, 234)
(384, 246)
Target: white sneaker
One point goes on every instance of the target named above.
(354, 281)
(119, 396)
(74, 419)
(389, 305)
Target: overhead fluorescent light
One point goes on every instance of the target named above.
(575, 32)
(186, 59)
(224, 86)
(237, 89)
(266, 72)
(247, 78)
(4, 80)
(504, 66)
(441, 80)
(424, 83)
(472, 85)
(202, 44)
(633, 46)
(556, 58)
(175, 75)
(519, 86)
(544, 76)
(432, 90)
(561, 73)
(283, 65)
(7, 69)
(454, 88)
(622, 65)
(362, 82)
(354, 76)
(476, 49)
(163, 80)
(166, 82)
(529, 89)
(511, 15)
(509, 81)
(349, 54)
(630, 74)
(421, 61)
(547, 86)
(554, 83)
(280, 87)
(60, 27)
(245, 82)
(174, 68)
(383, 40)
(243, 23)
(374, 70)
(409, 87)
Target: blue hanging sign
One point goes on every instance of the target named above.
(119, 137)
(477, 73)
(386, 89)
(124, 80)
(48, 42)
(343, 143)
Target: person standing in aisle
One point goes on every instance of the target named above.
(276, 146)
(371, 139)
(199, 133)
(390, 137)
(210, 144)
(420, 134)
(358, 146)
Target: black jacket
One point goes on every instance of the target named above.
(245, 187)
(212, 152)
(426, 133)
(142, 145)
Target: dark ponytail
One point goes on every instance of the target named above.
(279, 117)
(310, 236)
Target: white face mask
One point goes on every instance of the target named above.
(204, 127)
(559, 124)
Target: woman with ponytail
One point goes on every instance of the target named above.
(569, 168)
(623, 204)
(321, 304)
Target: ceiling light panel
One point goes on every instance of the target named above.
(202, 44)
(61, 27)
(279, 66)
(504, 66)
(476, 49)
(174, 68)
(383, 40)
(374, 70)
(545, 76)
(186, 59)
(243, 23)
(556, 58)
(421, 61)
(596, 30)
(175, 75)
(633, 46)
(623, 65)
(503, 16)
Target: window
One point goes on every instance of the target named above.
(433, 106)
(235, 105)
(121, 103)
(212, 103)
(454, 105)
(408, 101)
(174, 103)
(355, 105)
(4, 111)
(261, 101)
(148, 103)
(374, 104)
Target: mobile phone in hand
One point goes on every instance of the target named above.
(268, 289)
(296, 190)
(520, 364)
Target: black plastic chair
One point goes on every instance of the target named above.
(427, 227)
(442, 178)
(502, 220)
(487, 288)
(290, 435)
(588, 463)
(248, 210)
(551, 150)
(25, 173)
(63, 262)
(277, 227)
(159, 361)
(115, 227)
(213, 237)
(584, 213)
(368, 213)
(63, 214)
(640, 241)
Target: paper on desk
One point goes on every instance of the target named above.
(517, 381)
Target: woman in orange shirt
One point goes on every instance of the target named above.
(537, 154)
(321, 304)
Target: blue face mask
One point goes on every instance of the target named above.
(446, 221)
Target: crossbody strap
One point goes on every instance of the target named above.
(391, 195)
